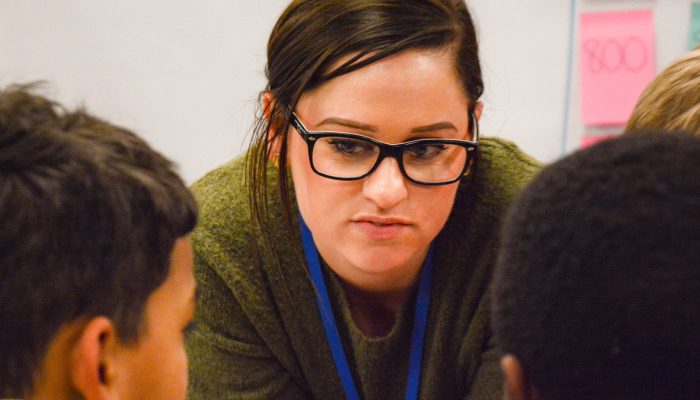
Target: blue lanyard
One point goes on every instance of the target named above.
(324, 306)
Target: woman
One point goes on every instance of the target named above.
(364, 274)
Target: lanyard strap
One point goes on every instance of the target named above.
(420, 319)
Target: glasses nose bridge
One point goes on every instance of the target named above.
(390, 150)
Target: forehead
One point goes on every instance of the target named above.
(418, 87)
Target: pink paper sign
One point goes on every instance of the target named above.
(617, 53)
(590, 140)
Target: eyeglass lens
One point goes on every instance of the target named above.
(349, 158)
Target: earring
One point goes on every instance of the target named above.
(276, 159)
(469, 169)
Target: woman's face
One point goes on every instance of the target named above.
(375, 232)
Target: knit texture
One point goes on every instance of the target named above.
(258, 333)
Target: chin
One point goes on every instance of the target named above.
(378, 262)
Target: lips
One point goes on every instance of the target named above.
(380, 228)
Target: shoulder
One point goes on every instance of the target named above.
(221, 195)
(500, 156)
(501, 171)
(222, 240)
(223, 198)
(503, 168)
(224, 246)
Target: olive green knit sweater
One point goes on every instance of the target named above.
(258, 333)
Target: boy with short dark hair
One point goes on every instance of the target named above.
(96, 280)
(596, 294)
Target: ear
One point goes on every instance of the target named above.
(274, 143)
(92, 360)
(516, 386)
(268, 102)
(478, 109)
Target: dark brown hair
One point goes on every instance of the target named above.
(312, 35)
(90, 214)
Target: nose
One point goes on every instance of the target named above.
(386, 186)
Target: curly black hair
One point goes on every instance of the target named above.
(597, 285)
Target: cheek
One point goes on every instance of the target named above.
(318, 198)
(302, 176)
(180, 374)
(164, 372)
(172, 363)
(321, 201)
(298, 163)
(434, 205)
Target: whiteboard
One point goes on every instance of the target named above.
(186, 75)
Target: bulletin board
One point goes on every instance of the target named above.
(562, 75)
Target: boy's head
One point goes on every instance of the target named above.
(597, 285)
(96, 280)
(671, 101)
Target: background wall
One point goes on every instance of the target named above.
(186, 74)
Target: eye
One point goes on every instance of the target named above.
(350, 146)
(426, 151)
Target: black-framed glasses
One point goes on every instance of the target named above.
(348, 156)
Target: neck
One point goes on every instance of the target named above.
(54, 380)
(374, 313)
(376, 298)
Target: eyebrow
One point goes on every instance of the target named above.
(370, 128)
(434, 127)
(348, 123)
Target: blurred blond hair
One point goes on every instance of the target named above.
(672, 100)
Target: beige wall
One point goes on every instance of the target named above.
(185, 74)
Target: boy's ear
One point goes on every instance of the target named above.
(274, 143)
(93, 362)
(515, 381)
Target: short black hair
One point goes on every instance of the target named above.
(89, 215)
(597, 284)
